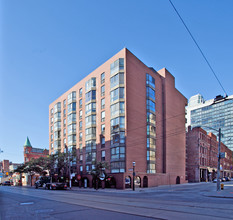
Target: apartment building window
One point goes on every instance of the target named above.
(90, 120)
(52, 120)
(51, 137)
(102, 141)
(57, 126)
(117, 108)
(51, 129)
(150, 105)
(57, 135)
(71, 118)
(102, 90)
(64, 103)
(90, 132)
(80, 125)
(103, 155)
(80, 103)
(103, 103)
(117, 123)
(64, 113)
(80, 136)
(150, 93)
(57, 107)
(64, 122)
(64, 141)
(117, 94)
(71, 128)
(81, 147)
(91, 95)
(81, 168)
(72, 97)
(71, 107)
(150, 80)
(64, 132)
(103, 116)
(80, 114)
(117, 66)
(90, 145)
(51, 146)
(72, 139)
(150, 118)
(91, 107)
(117, 167)
(80, 158)
(117, 80)
(51, 111)
(102, 78)
(80, 92)
(91, 83)
(118, 138)
(102, 128)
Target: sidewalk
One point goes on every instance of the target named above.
(212, 191)
(227, 192)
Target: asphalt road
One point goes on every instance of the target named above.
(180, 202)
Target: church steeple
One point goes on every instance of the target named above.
(27, 143)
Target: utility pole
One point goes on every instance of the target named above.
(219, 157)
(134, 175)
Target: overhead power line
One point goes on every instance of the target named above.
(198, 47)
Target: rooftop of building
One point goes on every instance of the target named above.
(198, 101)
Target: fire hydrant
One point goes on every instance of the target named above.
(222, 186)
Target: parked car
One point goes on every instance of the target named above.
(6, 183)
(223, 179)
(215, 180)
(42, 181)
(227, 178)
(56, 186)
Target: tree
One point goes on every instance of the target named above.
(98, 173)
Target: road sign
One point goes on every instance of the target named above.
(79, 177)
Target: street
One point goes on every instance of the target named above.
(186, 201)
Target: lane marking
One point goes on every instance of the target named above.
(26, 203)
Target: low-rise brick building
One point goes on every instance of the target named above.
(202, 156)
(31, 152)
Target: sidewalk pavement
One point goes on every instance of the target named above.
(227, 192)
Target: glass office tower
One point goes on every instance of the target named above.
(215, 113)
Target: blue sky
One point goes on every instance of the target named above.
(46, 47)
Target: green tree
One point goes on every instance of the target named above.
(99, 172)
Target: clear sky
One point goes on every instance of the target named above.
(47, 46)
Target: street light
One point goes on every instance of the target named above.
(134, 163)
(219, 153)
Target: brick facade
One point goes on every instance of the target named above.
(168, 133)
(202, 156)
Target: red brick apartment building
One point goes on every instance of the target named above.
(123, 112)
(4, 166)
(33, 153)
(202, 156)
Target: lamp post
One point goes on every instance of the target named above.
(68, 152)
(134, 163)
